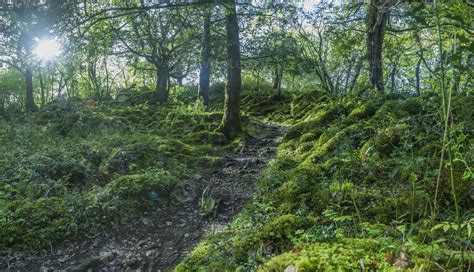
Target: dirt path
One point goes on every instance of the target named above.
(161, 238)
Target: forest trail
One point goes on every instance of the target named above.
(159, 239)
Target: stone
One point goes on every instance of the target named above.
(150, 253)
(147, 221)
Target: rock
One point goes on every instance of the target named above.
(132, 262)
(147, 222)
(150, 253)
(291, 268)
(186, 235)
(169, 223)
(89, 263)
(45, 269)
(108, 256)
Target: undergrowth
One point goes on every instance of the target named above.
(352, 188)
(72, 170)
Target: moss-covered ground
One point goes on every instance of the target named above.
(353, 187)
(71, 170)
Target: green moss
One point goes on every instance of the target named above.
(342, 256)
(314, 122)
(131, 158)
(207, 137)
(364, 111)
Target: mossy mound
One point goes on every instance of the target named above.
(73, 168)
(352, 165)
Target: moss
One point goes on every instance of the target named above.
(48, 218)
(314, 122)
(364, 111)
(389, 138)
(342, 256)
(207, 137)
(131, 158)
(412, 106)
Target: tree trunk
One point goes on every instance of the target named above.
(161, 90)
(43, 98)
(356, 74)
(417, 75)
(205, 71)
(180, 80)
(392, 78)
(107, 80)
(258, 80)
(231, 124)
(278, 78)
(376, 20)
(92, 71)
(29, 101)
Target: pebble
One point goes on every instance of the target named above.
(149, 253)
(169, 223)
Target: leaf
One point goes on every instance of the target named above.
(466, 175)
(401, 228)
(461, 138)
(469, 230)
(446, 227)
(436, 227)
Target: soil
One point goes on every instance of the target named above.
(159, 239)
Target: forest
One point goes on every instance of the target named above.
(223, 135)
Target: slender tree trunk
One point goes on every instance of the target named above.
(205, 71)
(43, 98)
(29, 100)
(376, 20)
(161, 90)
(278, 76)
(92, 70)
(356, 75)
(231, 124)
(392, 78)
(258, 79)
(52, 83)
(107, 81)
(417, 75)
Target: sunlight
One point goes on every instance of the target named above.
(47, 49)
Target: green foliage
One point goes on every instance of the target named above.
(353, 181)
(71, 170)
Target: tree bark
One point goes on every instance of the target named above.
(417, 75)
(162, 77)
(231, 124)
(92, 71)
(29, 100)
(43, 98)
(376, 21)
(278, 76)
(205, 70)
(392, 78)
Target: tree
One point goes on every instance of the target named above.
(152, 35)
(376, 21)
(231, 124)
(16, 43)
(205, 68)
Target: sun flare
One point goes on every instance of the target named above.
(47, 49)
